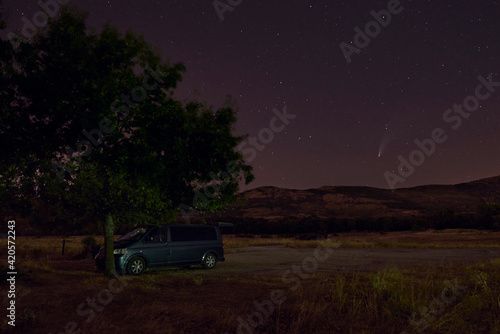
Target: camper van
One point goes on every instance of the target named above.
(179, 245)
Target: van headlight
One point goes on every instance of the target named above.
(120, 251)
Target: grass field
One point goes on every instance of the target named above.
(62, 294)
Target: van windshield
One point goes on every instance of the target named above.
(135, 234)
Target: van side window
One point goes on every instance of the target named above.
(192, 233)
(158, 236)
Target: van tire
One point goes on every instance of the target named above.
(210, 261)
(136, 266)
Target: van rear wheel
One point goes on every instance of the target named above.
(209, 261)
(136, 266)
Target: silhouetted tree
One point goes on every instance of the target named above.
(92, 123)
(488, 211)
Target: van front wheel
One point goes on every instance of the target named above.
(209, 261)
(136, 266)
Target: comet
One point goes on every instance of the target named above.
(383, 143)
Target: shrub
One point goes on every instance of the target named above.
(90, 246)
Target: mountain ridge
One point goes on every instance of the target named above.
(274, 203)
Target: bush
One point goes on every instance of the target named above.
(90, 246)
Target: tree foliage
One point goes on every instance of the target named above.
(91, 122)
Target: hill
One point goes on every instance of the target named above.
(272, 203)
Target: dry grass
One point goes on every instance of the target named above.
(51, 288)
(35, 248)
(191, 301)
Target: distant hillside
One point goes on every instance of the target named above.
(272, 203)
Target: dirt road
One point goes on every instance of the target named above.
(277, 259)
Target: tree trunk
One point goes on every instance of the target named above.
(109, 229)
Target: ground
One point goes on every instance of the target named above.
(347, 283)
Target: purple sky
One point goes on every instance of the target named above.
(353, 120)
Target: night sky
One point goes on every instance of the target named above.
(353, 121)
